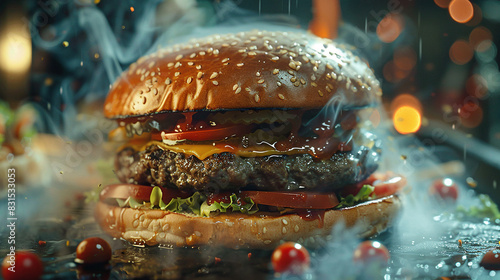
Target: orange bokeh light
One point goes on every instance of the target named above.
(442, 3)
(476, 86)
(461, 10)
(479, 35)
(477, 17)
(405, 58)
(389, 28)
(407, 120)
(461, 52)
(405, 99)
(471, 115)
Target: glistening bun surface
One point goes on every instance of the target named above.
(153, 227)
(256, 69)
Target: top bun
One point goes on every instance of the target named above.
(256, 69)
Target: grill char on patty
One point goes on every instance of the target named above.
(228, 172)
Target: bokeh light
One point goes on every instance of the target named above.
(471, 114)
(390, 27)
(405, 99)
(476, 86)
(407, 120)
(405, 58)
(477, 17)
(15, 50)
(478, 35)
(461, 52)
(461, 10)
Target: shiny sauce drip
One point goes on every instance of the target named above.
(311, 215)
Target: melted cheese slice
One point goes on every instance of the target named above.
(203, 151)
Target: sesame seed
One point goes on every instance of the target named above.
(142, 78)
(225, 60)
(281, 96)
(177, 74)
(146, 74)
(253, 38)
(242, 50)
(178, 57)
(305, 58)
(267, 242)
(202, 53)
(283, 230)
(261, 81)
(264, 230)
(314, 84)
(296, 228)
(248, 89)
(340, 65)
(292, 65)
(151, 64)
(189, 80)
(292, 54)
(275, 58)
(276, 71)
(234, 43)
(328, 89)
(334, 75)
(168, 81)
(199, 75)
(283, 51)
(257, 98)
(215, 83)
(257, 74)
(252, 53)
(302, 81)
(328, 76)
(216, 52)
(214, 75)
(238, 90)
(315, 68)
(253, 47)
(177, 64)
(293, 79)
(320, 93)
(192, 55)
(297, 83)
(137, 71)
(278, 83)
(340, 78)
(240, 64)
(148, 83)
(170, 64)
(198, 67)
(190, 63)
(313, 77)
(155, 80)
(153, 74)
(329, 66)
(235, 86)
(225, 45)
(285, 222)
(290, 72)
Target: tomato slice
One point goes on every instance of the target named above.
(140, 192)
(205, 134)
(385, 184)
(301, 200)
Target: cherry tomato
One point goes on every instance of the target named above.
(124, 191)
(93, 250)
(205, 134)
(302, 200)
(491, 260)
(290, 257)
(384, 184)
(22, 265)
(444, 189)
(370, 251)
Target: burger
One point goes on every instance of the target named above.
(246, 140)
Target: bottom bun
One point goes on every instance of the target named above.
(158, 227)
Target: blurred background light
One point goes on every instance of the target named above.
(407, 120)
(15, 50)
(461, 52)
(390, 27)
(461, 10)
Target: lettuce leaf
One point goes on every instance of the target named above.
(197, 204)
(351, 200)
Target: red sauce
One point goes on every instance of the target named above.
(311, 215)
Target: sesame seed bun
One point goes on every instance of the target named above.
(153, 227)
(256, 69)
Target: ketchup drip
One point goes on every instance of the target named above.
(311, 215)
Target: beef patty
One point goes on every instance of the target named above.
(228, 172)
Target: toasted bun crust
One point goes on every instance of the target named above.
(257, 69)
(153, 227)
